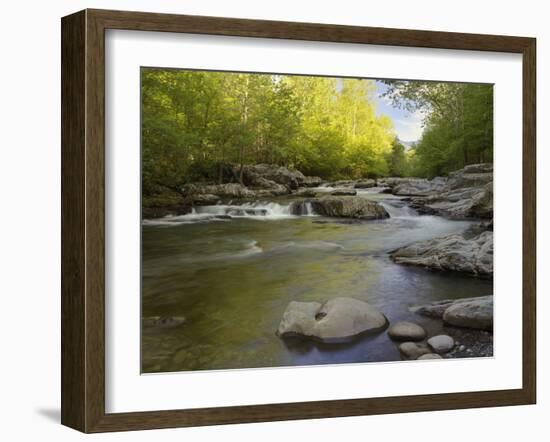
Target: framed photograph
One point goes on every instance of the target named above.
(269, 220)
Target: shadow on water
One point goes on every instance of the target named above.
(344, 350)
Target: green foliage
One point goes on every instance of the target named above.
(194, 121)
(458, 124)
(398, 161)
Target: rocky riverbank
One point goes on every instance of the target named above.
(268, 182)
(466, 193)
(467, 325)
(261, 181)
(457, 252)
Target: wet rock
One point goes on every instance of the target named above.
(205, 199)
(348, 207)
(341, 183)
(230, 190)
(164, 202)
(473, 175)
(479, 168)
(251, 181)
(292, 179)
(476, 313)
(412, 350)
(306, 193)
(441, 343)
(453, 252)
(392, 182)
(337, 320)
(311, 181)
(437, 309)
(420, 187)
(364, 184)
(433, 310)
(264, 187)
(406, 331)
(468, 193)
(275, 190)
(429, 356)
(473, 202)
(344, 192)
(477, 229)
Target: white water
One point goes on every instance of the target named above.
(324, 188)
(398, 209)
(259, 210)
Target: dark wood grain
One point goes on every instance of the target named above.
(145, 21)
(529, 219)
(95, 221)
(83, 219)
(73, 133)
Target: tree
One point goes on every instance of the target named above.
(458, 121)
(194, 122)
(398, 159)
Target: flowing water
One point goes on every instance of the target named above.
(231, 270)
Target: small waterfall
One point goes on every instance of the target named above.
(253, 209)
(399, 209)
(261, 210)
(302, 208)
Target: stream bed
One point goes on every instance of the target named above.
(231, 270)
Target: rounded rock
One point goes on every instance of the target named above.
(441, 343)
(429, 356)
(337, 320)
(406, 331)
(476, 313)
(411, 350)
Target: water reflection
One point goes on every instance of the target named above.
(233, 279)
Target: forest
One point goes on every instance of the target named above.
(194, 122)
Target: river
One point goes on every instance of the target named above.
(231, 270)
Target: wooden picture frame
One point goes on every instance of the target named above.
(83, 219)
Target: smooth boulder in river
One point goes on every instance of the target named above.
(337, 320)
(441, 343)
(406, 331)
(453, 252)
(475, 313)
(412, 350)
(348, 207)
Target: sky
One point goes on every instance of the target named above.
(408, 126)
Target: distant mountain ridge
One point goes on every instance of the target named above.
(408, 144)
